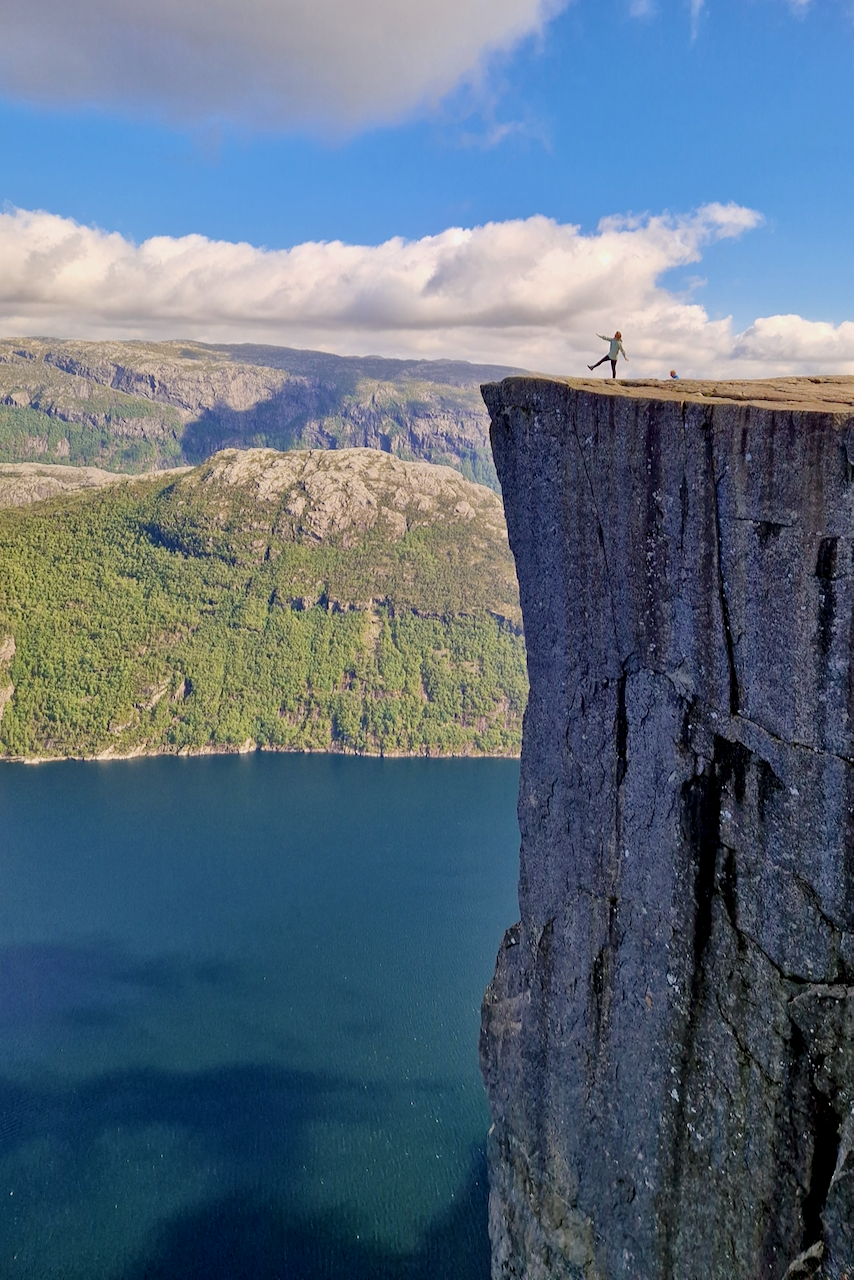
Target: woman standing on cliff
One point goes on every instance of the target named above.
(616, 346)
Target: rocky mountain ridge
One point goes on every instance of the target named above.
(24, 482)
(137, 406)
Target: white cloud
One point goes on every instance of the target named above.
(327, 63)
(643, 9)
(532, 293)
(803, 345)
(696, 7)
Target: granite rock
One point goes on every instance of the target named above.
(668, 1040)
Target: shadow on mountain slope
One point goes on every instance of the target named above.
(328, 402)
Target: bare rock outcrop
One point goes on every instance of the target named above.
(24, 482)
(668, 1041)
(346, 492)
(246, 505)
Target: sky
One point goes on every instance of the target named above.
(492, 180)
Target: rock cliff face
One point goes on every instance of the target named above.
(135, 406)
(668, 1040)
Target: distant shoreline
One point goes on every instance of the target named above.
(106, 757)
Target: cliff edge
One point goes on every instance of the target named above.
(668, 1040)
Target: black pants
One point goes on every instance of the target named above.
(602, 361)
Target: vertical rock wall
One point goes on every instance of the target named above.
(668, 1041)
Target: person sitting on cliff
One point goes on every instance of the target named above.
(674, 374)
(614, 349)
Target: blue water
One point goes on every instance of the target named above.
(239, 1002)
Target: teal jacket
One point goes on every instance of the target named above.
(615, 348)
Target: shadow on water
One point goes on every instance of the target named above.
(198, 1078)
(250, 1116)
(243, 1238)
(44, 984)
(250, 1123)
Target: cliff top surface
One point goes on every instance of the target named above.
(186, 355)
(822, 394)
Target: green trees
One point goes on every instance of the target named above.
(130, 637)
(31, 435)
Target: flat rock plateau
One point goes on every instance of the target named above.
(668, 1040)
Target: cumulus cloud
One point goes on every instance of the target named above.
(802, 345)
(530, 292)
(333, 63)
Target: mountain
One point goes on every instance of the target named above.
(138, 406)
(308, 600)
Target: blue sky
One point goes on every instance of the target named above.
(630, 107)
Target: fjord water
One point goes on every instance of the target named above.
(239, 1002)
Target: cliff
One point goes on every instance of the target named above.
(668, 1040)
(136, 406)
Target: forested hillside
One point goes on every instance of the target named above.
(139, 406)
(320, 600)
